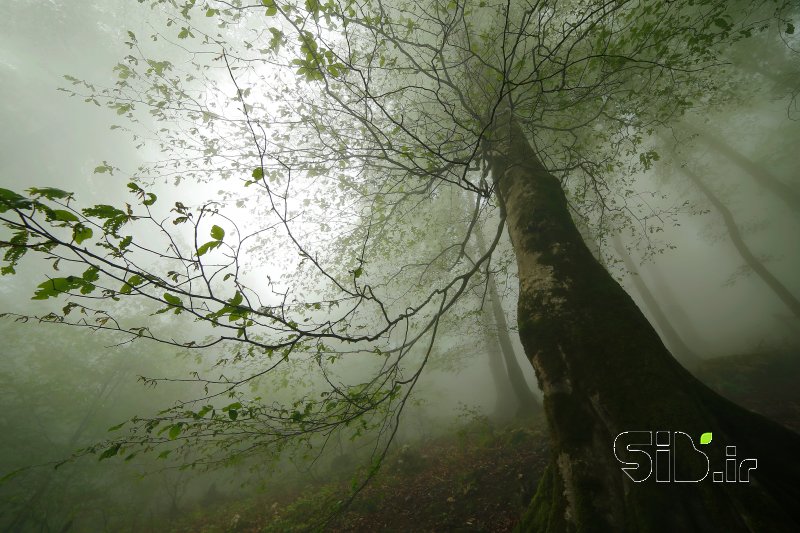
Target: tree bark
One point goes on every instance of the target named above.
(604, 370)
(679, 349)
(750, 259)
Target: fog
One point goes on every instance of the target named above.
(62, 387)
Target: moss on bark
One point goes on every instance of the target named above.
(603, 370)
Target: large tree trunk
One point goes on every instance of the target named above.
(604, 370)
(680, 350)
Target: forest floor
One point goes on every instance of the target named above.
(481, 478)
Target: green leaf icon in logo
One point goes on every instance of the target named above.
(705, 438)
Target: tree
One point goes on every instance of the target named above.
(672, 339)
(60, 393)
(526, 403)
(753, 262)
(533, 108)
(760, 175)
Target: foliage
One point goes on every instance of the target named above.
(348, 126)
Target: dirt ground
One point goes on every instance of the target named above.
(482, 478)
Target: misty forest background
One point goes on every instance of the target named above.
(716, 270)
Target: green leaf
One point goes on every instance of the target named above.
(87, 288)
(722, 23)
(61, 215)
(102, 169)
(102, 211)
(175, 430)
(258, 173)
(237, 299)
(204, 411)
(80, 233)
(17, 247)
(312, 6)
(114, 218)
(272, 9)
(118, 426)
(130, 283)
(705, 438)
(789, 28)
(217, 233)
(207, 247)
(275, 41)
(11, 200)
(91, 274)
(110, 452)
(172, 300)
(234, 405)
(357, 272)
(50, 193)
(54, 287)
(233, 414)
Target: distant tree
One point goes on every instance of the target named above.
(60, 392)
(671, 338)
(351, 120)
(525, 403)
(753, 263)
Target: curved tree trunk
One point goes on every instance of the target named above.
(750, 259)
(680, 350)
(507, 404)
(676, 312)
(604, 370)
(527, 403)
(787, 194)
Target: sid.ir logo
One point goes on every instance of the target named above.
(635, 449)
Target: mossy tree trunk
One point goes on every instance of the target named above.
(604, 370)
